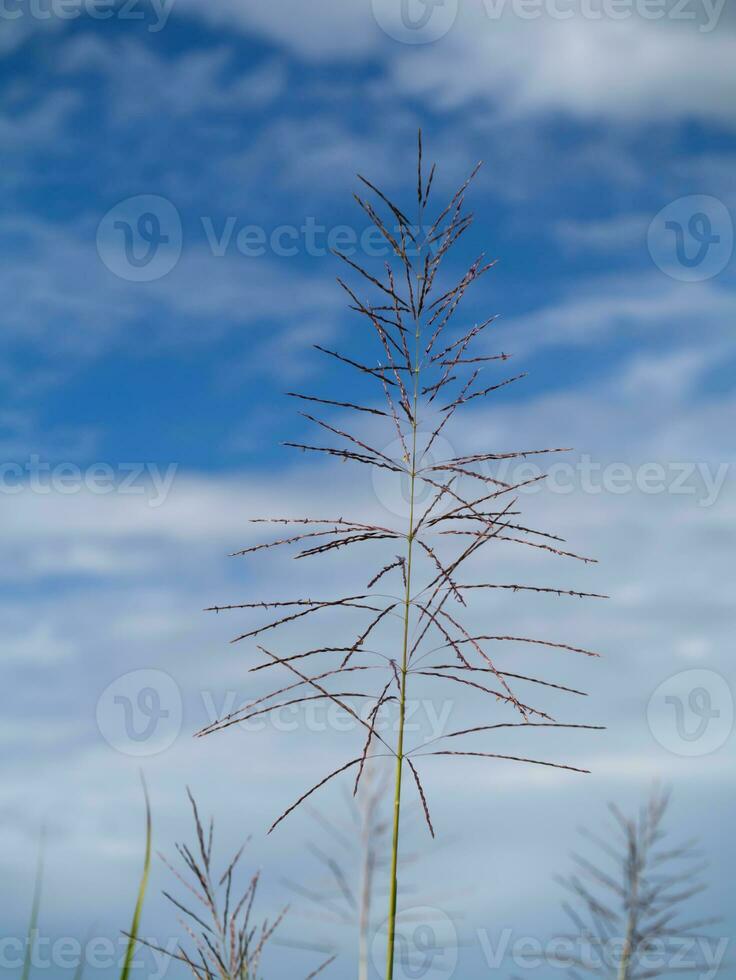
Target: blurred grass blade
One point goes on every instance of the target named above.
(35, 907)
(79, 972)
(133, 934)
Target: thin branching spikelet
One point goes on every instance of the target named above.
(628, 903)
(351, 855)
(352, 849)
(224, 941)
(409, 616)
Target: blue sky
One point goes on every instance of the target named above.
(238, 129)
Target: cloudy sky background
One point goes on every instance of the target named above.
(240, 115)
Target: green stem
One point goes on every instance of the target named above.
(35, 907)
(133, 934)
(393, 888)
(628, 948)
(623, 967)
(365, 897)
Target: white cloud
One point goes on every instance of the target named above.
(660, 557)
(625, 70)
(57, 295)
(622, 232)
(35, 644)
(125, 582)
(205, 80)
(641, 306)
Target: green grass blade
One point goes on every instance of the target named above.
(79, 972)
(35, 908)
(133, 934)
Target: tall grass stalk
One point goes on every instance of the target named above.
(352, 855)
(35, 910)
(225, 942)
(137, 912)
(629, 900)
(404, 610)
(416, 372)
